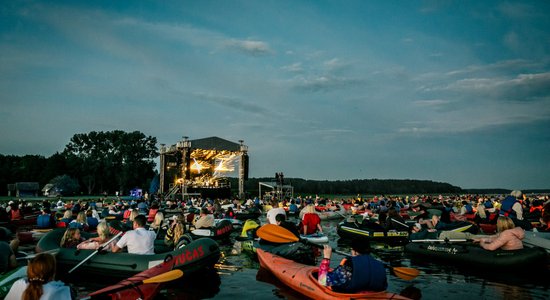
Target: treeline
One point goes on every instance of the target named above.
(355, 186)
(97, 161)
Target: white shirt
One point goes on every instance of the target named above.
(55, 290)
(138, 241)
(273, 212)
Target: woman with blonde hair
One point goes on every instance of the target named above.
(311, 222)
(80, 222)
(66, 219)
(508, 236)
(158, 221)
(104, 235)
(129, 223)
(40, 283)
(176, 231)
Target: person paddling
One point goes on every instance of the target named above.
(361, 272)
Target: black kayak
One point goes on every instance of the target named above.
(372, 232)
(473, 256)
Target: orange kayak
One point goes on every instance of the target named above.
(303, 279)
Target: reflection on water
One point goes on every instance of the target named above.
(436, 280)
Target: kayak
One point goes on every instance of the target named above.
(221, 230)
(198, 254)
(472, 255)
(303, 279)
(7, 279)
(332, 215)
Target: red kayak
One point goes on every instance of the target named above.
(303, 279)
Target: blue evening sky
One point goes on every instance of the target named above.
(452, 91)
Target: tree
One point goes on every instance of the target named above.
(112, 160)
(65, 185)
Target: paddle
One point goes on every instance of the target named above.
(277, 234)
(161, 278)
(164, 277)
(30, 256)
(95, 252)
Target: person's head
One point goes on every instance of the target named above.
(81, 217)
(71, 235)
(204, 211)
(103, 230)
(280, 218)
(133, 214)
(435, 219)
(159, 218)
(41, 270)
(504, 223)
(46, 211)
(359, 247)
(140, 221)
(89, 213)
(68, 214)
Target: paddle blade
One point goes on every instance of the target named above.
(164, 277)
(405, 273)
(276, 234)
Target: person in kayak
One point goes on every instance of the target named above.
(206, 220)
(281, 221)
(311, 222)
(39, 283)
(508, 237)
(71, 238)
(360, 272)
(104, 235)
(139, 240)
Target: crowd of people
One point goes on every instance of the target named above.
(143, 221)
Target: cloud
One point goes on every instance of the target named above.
(233, 103)
(294, 68)
(516, 10)
(254, 48)
(324, 83)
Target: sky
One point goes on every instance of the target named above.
(449, 91)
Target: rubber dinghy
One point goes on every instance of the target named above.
(201, 253)
(472, 255)
(303, 279)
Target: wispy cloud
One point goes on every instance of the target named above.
(324, 83)
(294, 68)
(255, 48)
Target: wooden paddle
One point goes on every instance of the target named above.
(277, 234)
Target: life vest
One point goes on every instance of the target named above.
(15, 214)
(368, 275)
(126, 214)
(152, 213)
(535, 208)
(469, 208)
(43, 221)
(507, 205)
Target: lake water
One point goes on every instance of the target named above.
(241, 279)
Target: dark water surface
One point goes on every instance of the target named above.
(241, 279)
